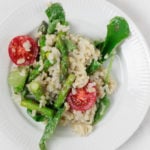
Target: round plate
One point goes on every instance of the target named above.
(131, 69)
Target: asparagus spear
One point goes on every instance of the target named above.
(34, 73)
(50, 128)
(60, 44)
(30, 104)
(65, 89)
(102, 107)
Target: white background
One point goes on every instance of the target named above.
(139, 12)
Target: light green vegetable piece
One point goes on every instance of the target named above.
(70, 45)
(36, 89)
(32, 105)
(17, 79)
(64, 91)
(50, 128)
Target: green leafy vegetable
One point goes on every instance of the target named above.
(37, 117)
(117, 31)
(98, 44)
(52, 27)
(50, 128)
(32, 105)
(55, 12)
(65, 89)
(93, 67)
(17, 79)
(102, 107)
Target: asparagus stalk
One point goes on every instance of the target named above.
(102, 107)
(65, 89)
(30, 104)
(50, 128)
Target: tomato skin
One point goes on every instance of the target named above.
(18, 52)
(82, 100)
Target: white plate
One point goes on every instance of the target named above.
(131, 70)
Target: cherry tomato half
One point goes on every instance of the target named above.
(23, 50)
(83, 99)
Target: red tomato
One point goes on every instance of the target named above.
(83, 99)
(23, 50)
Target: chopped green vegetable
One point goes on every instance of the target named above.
(17, 79)
(60, 44)
(70, 45)
(37, 117)
(55, 12)
(42, 41)
(52, 27)
(93, 67)
(34, 73)
(50, 128)
(117, 31)
(102, 107)
(65, 89)
(43, 27)
(36, 89)
(47, 64)
(32, 105)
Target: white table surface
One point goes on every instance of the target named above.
(138, 11)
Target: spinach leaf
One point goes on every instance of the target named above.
(117, 31)
(55, 12)
(98, 44)
(93, 67)
(52, 27)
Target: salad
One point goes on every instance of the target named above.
(60, 77)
